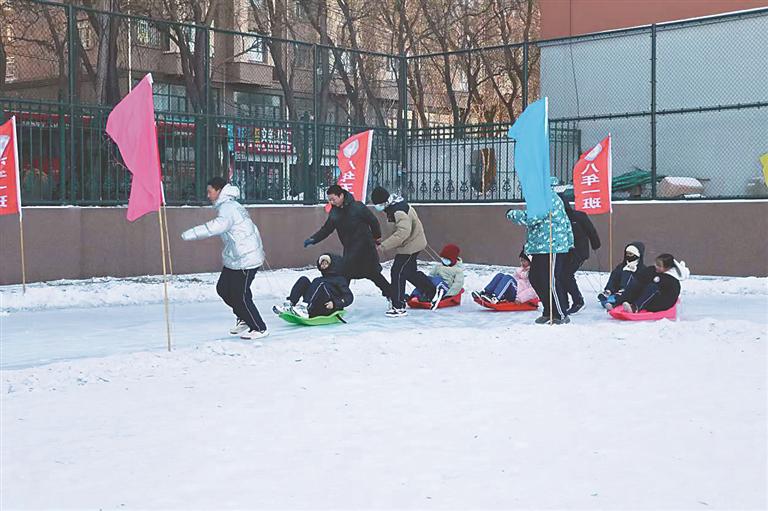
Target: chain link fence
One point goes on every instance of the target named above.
(685, 102)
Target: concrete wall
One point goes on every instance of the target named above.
(715, 238)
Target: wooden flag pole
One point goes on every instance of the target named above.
(551, 273)
(167, 240)
(165, 280)
(23, 266)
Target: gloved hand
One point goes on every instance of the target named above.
(604, 295)
(308, 242)
(508, 214)
(378, 241)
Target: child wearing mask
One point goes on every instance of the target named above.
(624, 276)
(447, 276)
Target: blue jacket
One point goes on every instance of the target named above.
(538, 229)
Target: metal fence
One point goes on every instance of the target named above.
(682, 100)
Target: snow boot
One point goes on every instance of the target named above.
(396, 313)
(252, 335)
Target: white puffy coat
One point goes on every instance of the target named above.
(242, 242)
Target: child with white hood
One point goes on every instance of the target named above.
(659, 286)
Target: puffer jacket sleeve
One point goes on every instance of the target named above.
(458, 281)
(403, 229)
(219, 225)
(372, 221)
(345, 296)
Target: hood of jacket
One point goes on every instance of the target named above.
(228, 193)
(641, 248)
(679, 271)
(395, 203)
(336, 267)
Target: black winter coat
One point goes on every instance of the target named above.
(358, 231)
(584, 234)
(337, 282)
(666, 289)
(621, 279)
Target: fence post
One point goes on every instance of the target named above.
(525, 74)
(403, 125)
(653, 111)
(313, 171)
(72, 63)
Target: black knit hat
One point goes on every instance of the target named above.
(379, 195)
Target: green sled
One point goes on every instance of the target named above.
(336, 317)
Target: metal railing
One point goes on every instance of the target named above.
(681, 99)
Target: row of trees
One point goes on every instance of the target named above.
(444, 82)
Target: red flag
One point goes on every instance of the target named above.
(10, 184)
(355, 164)
(132, 126)
(592, 177)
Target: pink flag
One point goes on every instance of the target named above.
(132, 126)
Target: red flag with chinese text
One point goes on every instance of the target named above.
(355, 164)
(10, 184)
(592, 177)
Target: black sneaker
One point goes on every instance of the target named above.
(576, 307)
(541, 320)
(561, 321)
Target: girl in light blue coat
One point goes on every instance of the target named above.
(242, 256)
(538, 246)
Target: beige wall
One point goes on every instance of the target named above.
(715, 238)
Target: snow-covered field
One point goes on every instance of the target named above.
(458, 408)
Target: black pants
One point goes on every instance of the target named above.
(377, 278)
(539, 276)
(314, 293)
(568, 279)
(234, 287)
(404, 269)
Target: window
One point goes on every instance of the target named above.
(299, 11)
(254, 48)
(10, 69)
(86, 33)
(187, 33)
(170, 98)
(148, 35)
(263, 106)
(303, 56)
(390, 73)
(344, 62)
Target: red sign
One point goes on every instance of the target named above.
(355, 164)
(10, 184)
(592, 177)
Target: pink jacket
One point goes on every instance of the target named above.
(525, 291)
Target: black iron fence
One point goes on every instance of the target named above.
(685, 102)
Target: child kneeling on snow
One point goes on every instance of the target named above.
(659, 286)
(624, 276)
(510, 288)
(447, 276)
(322, 296)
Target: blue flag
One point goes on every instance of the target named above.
(531, 134)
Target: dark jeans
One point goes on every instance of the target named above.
(646, 299)
(314, 293)
(571, 265)
(404, 269)
(539, 276)
(234, 287)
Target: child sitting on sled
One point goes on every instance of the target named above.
(322, 296)
(658, 287)
(624, 276)
(447, 275)
(510, 288)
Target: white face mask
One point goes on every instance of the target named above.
(446, 262)
(380, 207)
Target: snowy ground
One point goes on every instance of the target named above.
(458, 408)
